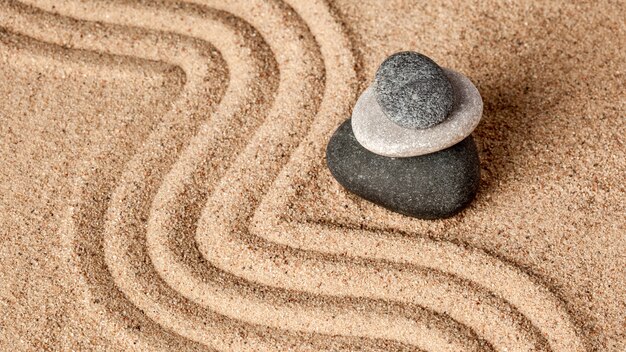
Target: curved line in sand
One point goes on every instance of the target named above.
(80, 234)
(45, 55)
(117, 264)
(198, 324)
(75, 221)
(122, 190)
(524, 294)
(161, 234)
(224, 246)
(253, 259)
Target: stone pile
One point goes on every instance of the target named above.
(408, 145)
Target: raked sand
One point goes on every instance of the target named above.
(163, 183)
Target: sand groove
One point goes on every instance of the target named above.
(228, 245)
(239, 288)
(179, 273)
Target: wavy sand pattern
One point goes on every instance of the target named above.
(190, 239)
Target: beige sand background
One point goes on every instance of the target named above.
(163, 184)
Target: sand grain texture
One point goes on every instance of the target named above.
(164, 186)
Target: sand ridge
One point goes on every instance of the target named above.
(186, 238)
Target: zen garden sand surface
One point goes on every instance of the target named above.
(164, 186)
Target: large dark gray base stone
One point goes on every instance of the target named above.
(431, 186)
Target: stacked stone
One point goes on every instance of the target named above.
(408, 145)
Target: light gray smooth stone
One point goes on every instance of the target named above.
(378, 134)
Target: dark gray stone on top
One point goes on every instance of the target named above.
(430, 186)
(413, 90)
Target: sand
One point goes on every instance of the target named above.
(163, 184)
